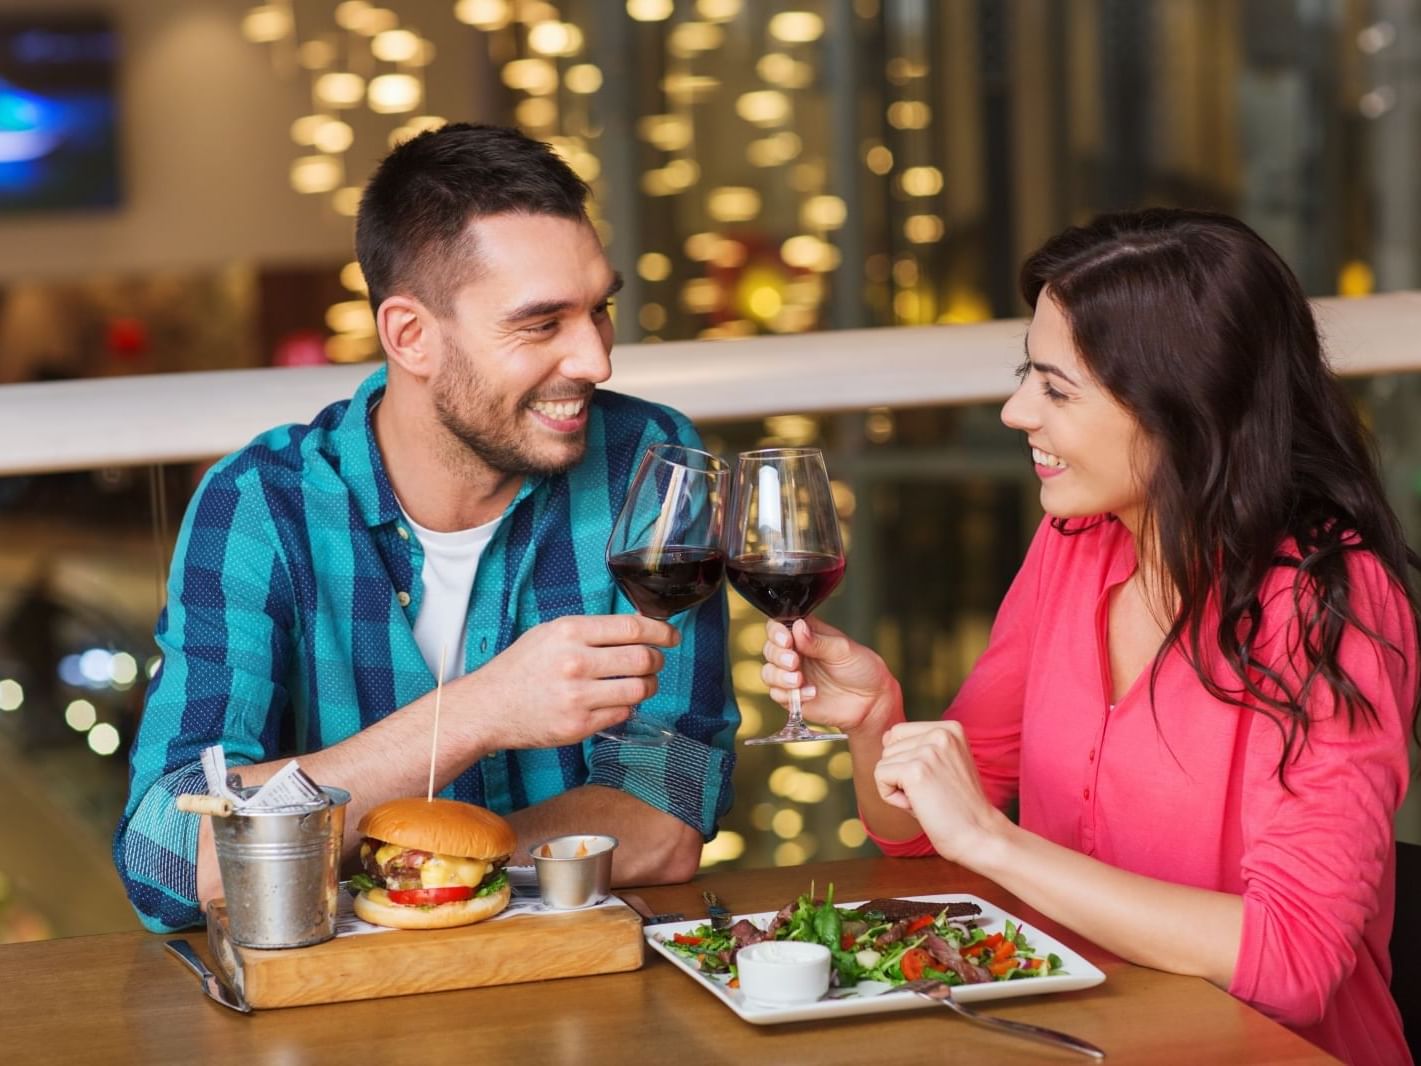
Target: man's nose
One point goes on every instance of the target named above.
(589, 355)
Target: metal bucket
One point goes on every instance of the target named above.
(281, 870)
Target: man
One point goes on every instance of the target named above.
(455, 510)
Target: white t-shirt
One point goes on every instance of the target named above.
(450, 562)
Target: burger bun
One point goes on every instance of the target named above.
(375, 907)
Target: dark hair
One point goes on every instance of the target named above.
(1199, 329)
(412, 230)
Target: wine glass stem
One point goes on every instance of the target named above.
(796, 711)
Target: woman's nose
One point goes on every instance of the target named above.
(1019, 412)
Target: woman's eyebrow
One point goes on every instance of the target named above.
(1047, 368)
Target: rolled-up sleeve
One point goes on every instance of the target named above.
(223, 655)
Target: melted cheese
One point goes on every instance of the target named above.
(387, 852)
(441, 870)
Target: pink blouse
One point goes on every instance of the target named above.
(1190, 793)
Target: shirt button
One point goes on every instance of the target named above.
(1085, 793)
(483, 644)
(1091, 756)
(403, 532)
(404, 598)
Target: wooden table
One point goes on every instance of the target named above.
(120, 998)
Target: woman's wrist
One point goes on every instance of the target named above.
(884, 710)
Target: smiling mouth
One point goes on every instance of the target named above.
(559, 410)
(1041, 458)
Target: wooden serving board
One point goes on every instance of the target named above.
(524, 947)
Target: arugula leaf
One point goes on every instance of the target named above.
(362, 882)
(490, 887)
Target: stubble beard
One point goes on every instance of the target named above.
(458, 390)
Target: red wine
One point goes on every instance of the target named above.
(670, 581)
(787, 585)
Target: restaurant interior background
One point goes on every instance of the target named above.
(760, 167)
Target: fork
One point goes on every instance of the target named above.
(720, 917)
(941, 993)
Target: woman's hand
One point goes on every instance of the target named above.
(849, 684)
(928, 771)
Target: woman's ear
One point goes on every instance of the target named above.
(409, 335)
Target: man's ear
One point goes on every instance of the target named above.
(410, 335)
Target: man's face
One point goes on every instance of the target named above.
(528, 340)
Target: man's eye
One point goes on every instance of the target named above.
(603, 308)
(544, 327)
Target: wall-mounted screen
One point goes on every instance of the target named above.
(58, 112)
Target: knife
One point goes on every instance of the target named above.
(211, 985)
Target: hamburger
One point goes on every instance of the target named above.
(432, 864)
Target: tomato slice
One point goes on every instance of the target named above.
(921, 922)
(913, 962)
(683, 938)
(425, 897)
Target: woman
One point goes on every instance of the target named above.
(1201, 681)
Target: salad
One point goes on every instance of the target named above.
(884, 940)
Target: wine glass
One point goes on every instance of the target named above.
(783, 551)
(665, 550)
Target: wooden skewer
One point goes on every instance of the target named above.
(217, 806)
(434, 739)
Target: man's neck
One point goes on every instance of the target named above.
(438, 481)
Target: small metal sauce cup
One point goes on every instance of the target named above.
(574, 871)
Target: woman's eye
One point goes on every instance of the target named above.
(1051, 392)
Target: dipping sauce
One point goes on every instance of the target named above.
(783, 971)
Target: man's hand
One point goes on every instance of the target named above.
(562, 681)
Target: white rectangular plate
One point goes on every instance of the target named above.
(1076, 973)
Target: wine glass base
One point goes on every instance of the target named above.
(638, 732)
(793, 735)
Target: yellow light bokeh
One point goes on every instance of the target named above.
(923, 229)
(852, 833)
(346, 201)
(670, 133)
(537, 77)
(316, 173)
(333, 137)
(80, 716)
(1356, 279)
(783, 71)
(536, 112)
(796, 27)
(787, 823)
(718, 10)
(483, 14)
(733, 203)
(395, 46)
(921, 181)
(702, 296)
(774, 150)
(823, 212)
(651, 317)
(304, 129)
(653, 266)
(650, 10)
(584, 78)
(392, 94)
(350, 348)
(727, 846)
(349, 14)
(790, 853)
(555, 39)
(340, 89)
(909, 115)
(763, 107)
(316, 54)
(266, 23)
(879, 159)
(353, 279)
(351, 316)
(690, 39)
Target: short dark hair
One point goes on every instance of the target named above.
(412, 230)
(1199, 329)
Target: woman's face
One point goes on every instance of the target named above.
(1089, 452)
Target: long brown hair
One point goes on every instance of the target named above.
(1199, 329)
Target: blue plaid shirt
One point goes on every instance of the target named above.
(288, 628)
